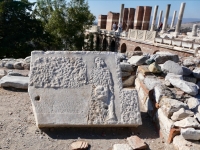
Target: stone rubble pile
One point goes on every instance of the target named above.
(168, 88)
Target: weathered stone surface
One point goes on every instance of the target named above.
(9, 64)
(181, 144)
(26, 65)
(172, 67)
(197, 116)
(79, 145)
(187, 87)
(162, 57)
(174, 76)
(137, 60)
(190, 134)
(121, 147)
(196, 73)
(80, 89)
(154, 68)
(186, 71)
(161, 90)
(129, 82)
(19, 82)
(190, 61)
(2, 73)
(126, 74)
(18, 65)
(140, 76)
(190, 79)
(136, 143)
(169, 106)
(193, 103)
(144, 70)
(151, 82)
(127, 67)
(181, 114)
(187, 123)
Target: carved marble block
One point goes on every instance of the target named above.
(80, 89)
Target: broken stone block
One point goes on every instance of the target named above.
(151, 81)
(196, 73)
(169, 106)
(137, 60)
(9, 64)
(18, 65)
(154, 68)
(144, 70)
(190, 79)
(162, 57)
(181, 114)
(197, 116)
(190, 134)
(2, 73)
(191, 61)
(172, 67)
(127, 67)
(129, 82)
(188, 122)
(136, 143)
(18, 82)
(79, 145)
(121, 147)
(80, 89)
(193, 103)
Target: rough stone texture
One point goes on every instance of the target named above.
(196, 73)
(189, 79)
(187, 87)
(172, 67)
(151, 82)
(126, 67)
(2, 73)
(79, 145)
(154, 68)
(187, 123)
(181, 144)
(193, 103)
(80, 89)
(102, 21)
(174, 76)
(169, 106)
(136, 143)
(190, 61)
(9, 64)
(161, 90)
(181, 114)
(137, 60)
(111, 18)
(197, 116)
(139, 12)
(126, 74)
(190, 134)
(121, 147)
(19, 82)
(18, 65)
(186, 71)
(162, 57)
(129, 82)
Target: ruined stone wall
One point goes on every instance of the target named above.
(111, 18)
(102, 19)
(146, 17)
(138, 17)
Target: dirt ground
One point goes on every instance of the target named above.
(19, 132)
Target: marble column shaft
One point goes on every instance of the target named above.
(173, 19)
(121, 15)
(154, 18)
(166, 18)
(180, 17)
(160, 18)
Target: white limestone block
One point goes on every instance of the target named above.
(181, 114)
(80, 89)
(190, 134)
(187, 123)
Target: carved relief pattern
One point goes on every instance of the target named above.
(102, 98)
(140, 35)
(132, 34)
(150, 35)
(130, 112)
(58, 72)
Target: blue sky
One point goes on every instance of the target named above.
(97, 7)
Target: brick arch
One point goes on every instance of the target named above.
(137, 48)
(123, 48)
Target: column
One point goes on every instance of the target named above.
(109, 43)
(121, 15)
(194, 30)
(146, 17)
(94, 41)
(173, 19)
(102, 19)
(160, 19)
(125, 19)
(138, 17)
(131, 13)
(154, 18)
(180, 17)
(166, 18)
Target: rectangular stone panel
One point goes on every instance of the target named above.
(146, 17)
(80, 89)
(138, 17)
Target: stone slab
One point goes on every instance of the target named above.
(80, 89)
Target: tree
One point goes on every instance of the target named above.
(20, 33)
(66, 22)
